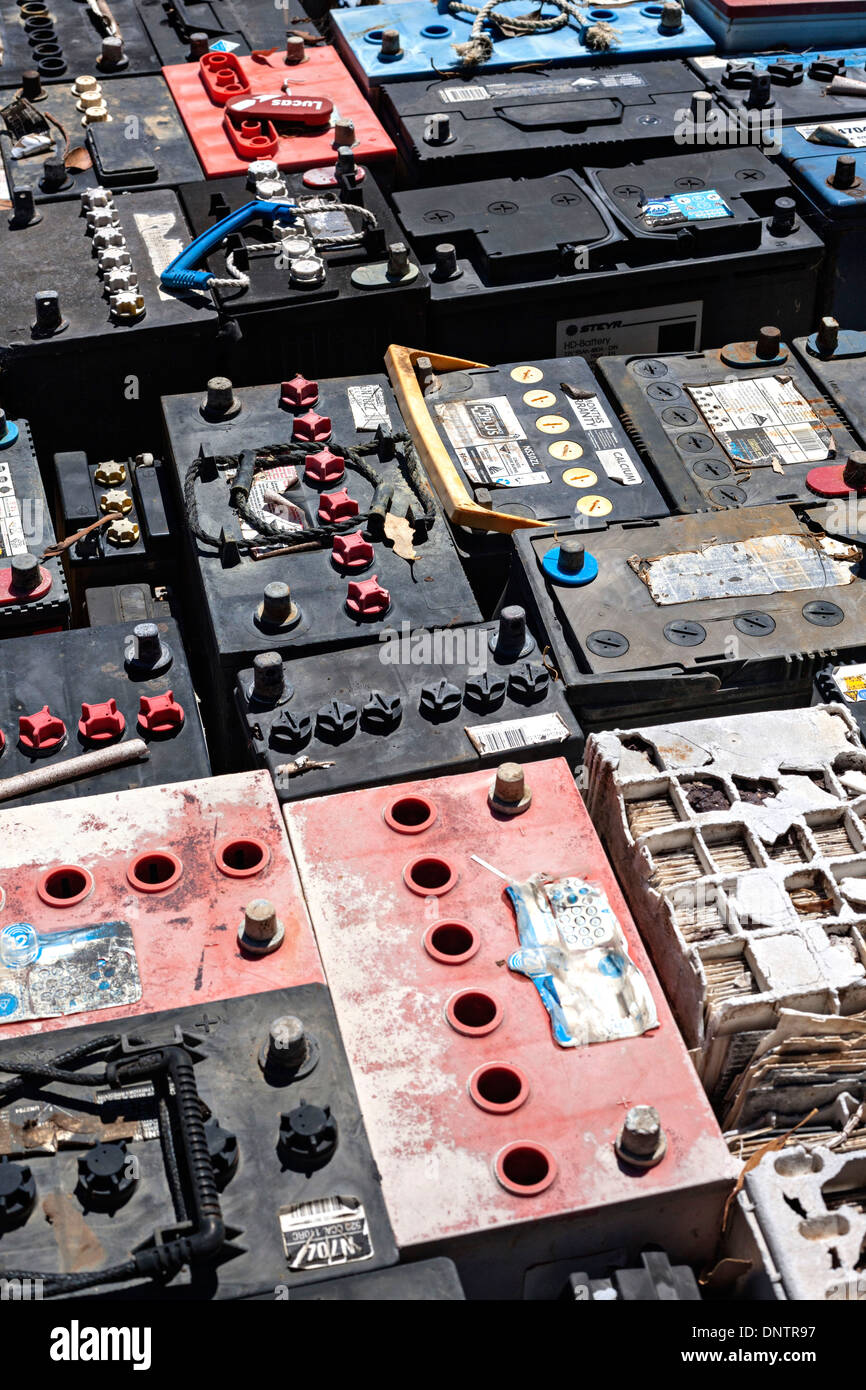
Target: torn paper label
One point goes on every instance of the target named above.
(470, 423)
(266, 500)
(573, 949)
(484, 435)
(367, 404)
(510, 734)
(762, 419)
(47, 974)
(853, 132)
(734, 569)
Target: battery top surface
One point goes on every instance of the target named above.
(73, 38)
(428, 35)
(691, 591)
(834, 177)
(228, 26)
(788, 87)
(724, 430)
(841, 372)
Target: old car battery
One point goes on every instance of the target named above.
(496, 1109)
(788, 88)
(310, 522)
(833, 179)
(641, 254)
(341, 273)
(215, 1152)
(400, 39)
(426, 1281)
(136, 138)
(127, 603)
(42, 44)
(844, 683)
(237, 110)
(33, 592)
(418, 704)
(836, 356)
(742, 26)
(182, 31)
(717, 610)
(68, 694)
(118, 518)
(520, 443)
(168, 895)
(534, 121)
(743, 424)
(87, 279)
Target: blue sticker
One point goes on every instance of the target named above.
(8, 1005)
(685, 207)
(612, 964)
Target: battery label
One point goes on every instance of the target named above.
(484, 435)
(618, 466)
(155, 231)
(367, 404)
(762, 420)
(327, 223)
(11, 530)
(49, 974)
(851, 682)
(510, 734)
(733, 569)
(530, 88)
(266, 500)
(324, 1233)
(602, 438)
(853, 132)
(684, 207)
(666, 328)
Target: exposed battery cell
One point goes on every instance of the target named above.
(739, 844)
(742, 26)
(338, 285)
(67, 694)
(420, 703)
(181, 31)
(639, 258)
(534, 121)
(743, 424)
(130, 132)
(243, 1109)
(174, 895)
(33, 592)
(464, 1088)
(719, 610)
(87, 278)
(311, 524)
(533, 440)
(426, 42)
(56, 44)
(237, 110)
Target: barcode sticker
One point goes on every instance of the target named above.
(323, 1233)
(517, 733)
(453, 94)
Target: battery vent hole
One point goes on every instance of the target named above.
(499, 1088)
(451, 943)
(65, 885)
(410, 814)
(430, 876)
(525, 1169)
(154, 872)
(474, 1013)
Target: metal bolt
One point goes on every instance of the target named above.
(827, 337)
(295, 49)
(768, 343)
(112, 55)
(344, 134)
(845, 173)
(641, 1141)
(268, 678)
(390, 43)
(198, 45)
(427, 378)
(509, 794)
(854, 472)
(445, 261)
(398, 259)
(671, 16)
(26, 574)
(220, 401)
(261, 931)
(701, 105)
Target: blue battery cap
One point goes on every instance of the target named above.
(570, 564)
(8, 431)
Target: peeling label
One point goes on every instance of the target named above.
(324, 1233)
(155, 231)
(763, 419)
(762, 565)
(367, 404)
(854, 132)
(509, 734)
(555, 88)
(266, 500)
(12, 540)
(484, 435)
(48, 974)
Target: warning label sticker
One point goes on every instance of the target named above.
(763, 422)
(12, 540)
(534, 88)
(320, 1234)
(485, 435)
(851, 681)
(762, 565)
(853, 133)
(367, 404)
(612, 457)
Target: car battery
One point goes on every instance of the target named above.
(695, 613)
(216, 1152)
(171, 895)
(419, 704)
(135, 138)
(310, 522)
(427, 1281)
(742, 26)
(69, 695)
(59, 42)
(528, 1138)
(640, 256)
(534, 121)
(739, 845)
(833, 178)
(298, 113)
(117, 519)
(127, 603)
(744, 424)
(341, 271)
(788, 88)
(87, 281)
(844, 684)
(401, 39)
(521, 443)
(837, 356)
(182, 31)
(33, 592)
